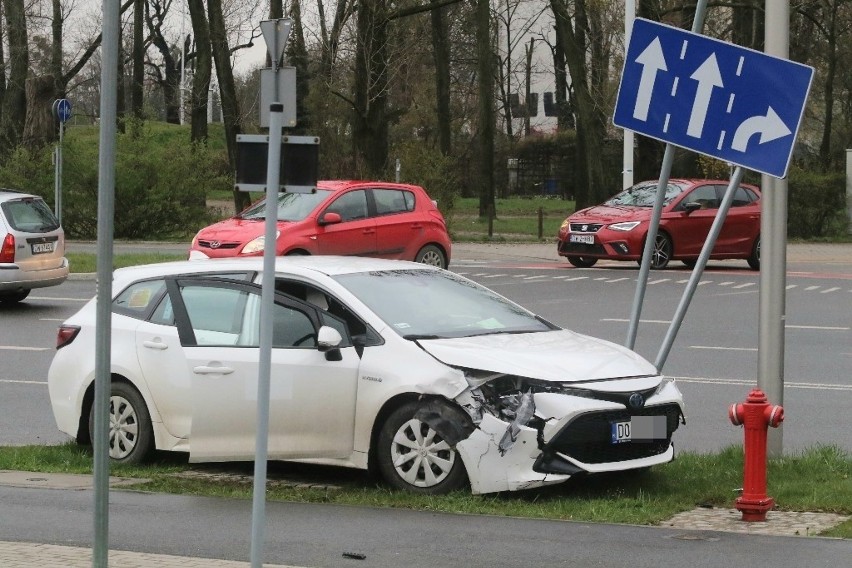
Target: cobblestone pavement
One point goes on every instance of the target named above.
(778, 523)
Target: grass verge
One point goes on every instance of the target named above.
(83, 262)
(817, 480)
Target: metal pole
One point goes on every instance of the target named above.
(656, 214)
(258, 520)
(695, 277)
(59, 173)
(773, 262)
(627, 172)
(103, 315)
(849, 189)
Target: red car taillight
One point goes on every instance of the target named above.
(7, 252)
(66, 335)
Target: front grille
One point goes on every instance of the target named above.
(220, 246)
(581, 248)
(587, 438)
(586, 227)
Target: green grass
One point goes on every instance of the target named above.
(83, 262)
(817, 480)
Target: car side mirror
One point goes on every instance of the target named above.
(690, 207)
(328, 342)
(330, 218)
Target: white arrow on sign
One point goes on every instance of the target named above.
(653, 61)
(708, 76)
(770, 127)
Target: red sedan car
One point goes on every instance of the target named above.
(388, 220)
(616, 229)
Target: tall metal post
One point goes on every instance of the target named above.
(849, 189)
(103, 313)
(656, 214)
(627, 159)
(57, 169)
(773, 261)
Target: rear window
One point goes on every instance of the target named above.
(29, 215)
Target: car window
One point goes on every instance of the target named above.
(742, 197)
(435, 304)
(30, 216)
(137, 299)
(291, 206)
(644, 195)
(704, 196)
(390, 201)
(350, 206)
(333, 312)
(229, 316)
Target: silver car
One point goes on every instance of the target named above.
(32, 246)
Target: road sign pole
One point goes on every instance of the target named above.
(656, 214)
(698, 270)
(773, 261)
(103, 316)
(627, 157)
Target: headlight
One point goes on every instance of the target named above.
(564, 225)
(625, 226)
(663, 384)
(256, 244)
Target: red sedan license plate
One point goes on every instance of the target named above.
(585, 239)
(39, 248)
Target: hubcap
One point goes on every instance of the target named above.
(432, 258)
(123, 427)
(420, 456)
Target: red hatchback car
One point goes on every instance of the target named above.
(388, 220)
(617, 228)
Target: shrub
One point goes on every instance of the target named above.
(817, 205)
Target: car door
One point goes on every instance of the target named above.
(689, 227)
(399, 229)
(355, 234)
(311, 398)
(741, 225)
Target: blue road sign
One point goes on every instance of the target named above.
(62, 110)
(715, 98)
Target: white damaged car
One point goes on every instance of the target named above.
(414, 372)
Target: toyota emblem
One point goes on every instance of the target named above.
(636, 401)
(215, 244)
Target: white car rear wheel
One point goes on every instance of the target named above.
(131, 437)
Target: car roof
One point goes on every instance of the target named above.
(296, 265)
(9, 194)
(341, 184)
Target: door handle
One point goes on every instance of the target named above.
(155, 345)
(208, 370)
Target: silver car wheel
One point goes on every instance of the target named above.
(431, 255)
(123, 427)
(420, 456)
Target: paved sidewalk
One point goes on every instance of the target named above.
(29, 555)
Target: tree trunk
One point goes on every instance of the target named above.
(136, 87)
(485, 79)
(590, 126)
(441, 55)
(40, 125)
(203, 69)
(370, 124)
(14, 105)
(298, 55)
(56, 49)
(227, 90)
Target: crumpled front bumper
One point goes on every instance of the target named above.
(569, 435)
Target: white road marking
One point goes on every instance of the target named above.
(621, 320)
(58, 299)
(723, 348)
(746, 382)
(22, 348)
(746, 285)
(659, 281)
(818, 327)
(23, 382)
(827, 290)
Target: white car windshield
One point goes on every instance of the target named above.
(291, 206)
(644, 195)
(433, 304)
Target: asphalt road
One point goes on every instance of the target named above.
(714, 358)
(318, 535)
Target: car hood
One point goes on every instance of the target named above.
(610, 214)
(236, 230)
(561, 355)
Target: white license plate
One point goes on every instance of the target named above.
(585, 239)
(638, 429)
(620, 432)
(39, 248)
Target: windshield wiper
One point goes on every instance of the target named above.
(416, 336)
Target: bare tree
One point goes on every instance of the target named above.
(14, 106)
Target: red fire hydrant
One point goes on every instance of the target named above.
(756, 415)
